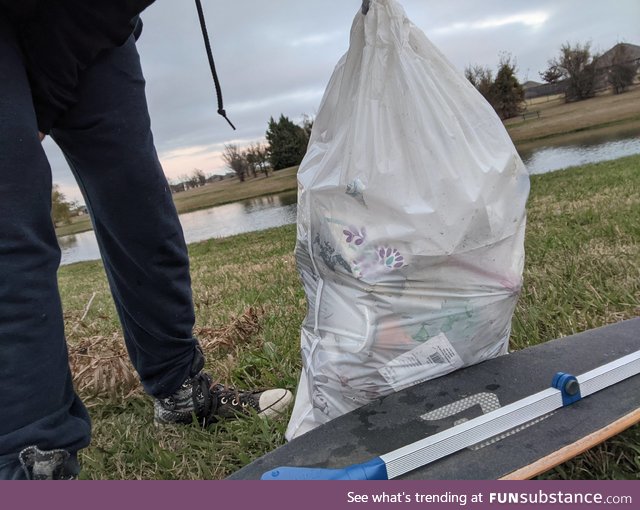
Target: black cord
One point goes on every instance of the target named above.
(212, 65)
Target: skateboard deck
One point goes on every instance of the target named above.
(447, 402)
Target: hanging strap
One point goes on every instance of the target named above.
(212, 65)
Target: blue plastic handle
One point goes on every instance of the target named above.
(375, 469)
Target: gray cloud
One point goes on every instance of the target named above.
(276, 57)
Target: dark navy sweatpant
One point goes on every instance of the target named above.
(107, 141)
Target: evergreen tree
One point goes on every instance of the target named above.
(287, 143)
(507, 93)
(504, 93)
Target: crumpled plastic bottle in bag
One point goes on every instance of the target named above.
(411, 220)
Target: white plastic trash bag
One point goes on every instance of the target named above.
(411, 219)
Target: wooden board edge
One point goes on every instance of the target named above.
(573, 450)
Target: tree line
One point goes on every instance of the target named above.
(576, 67)
(62, 210)
(286, 145)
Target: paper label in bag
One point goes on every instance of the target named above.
(433, 358)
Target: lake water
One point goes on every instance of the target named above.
(544, 159)
(222, 221)
(277, 210)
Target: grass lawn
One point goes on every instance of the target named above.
(583, 247)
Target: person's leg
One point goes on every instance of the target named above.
(38, 406)
(107, 141)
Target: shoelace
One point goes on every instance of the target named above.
(212, 396)
(212, 65)
(237, 398)
(201, 386)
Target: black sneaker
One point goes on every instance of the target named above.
(48, 464)
(198, 399)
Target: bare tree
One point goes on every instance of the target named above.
(235, 160)
(307, 124)
(263, 157)
(578, 66)
(199, 177)
(482, 79)
(257, 156)
(193, 181)
(250, 158)
(551, 75)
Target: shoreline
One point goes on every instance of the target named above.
(560, 123)
(626, 127)
(187, 211)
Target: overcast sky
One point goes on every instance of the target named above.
(276, 56)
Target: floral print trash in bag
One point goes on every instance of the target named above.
(411, 220)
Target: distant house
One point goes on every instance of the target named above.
(211, 178)
(81, 210)
(603, 64)
(545, 89)
(630, 51)
(530, 84)
(533, 89)
(178, 187)
(214, 178)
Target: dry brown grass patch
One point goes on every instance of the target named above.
(557, 117)
(101, 367)
(239, 331)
